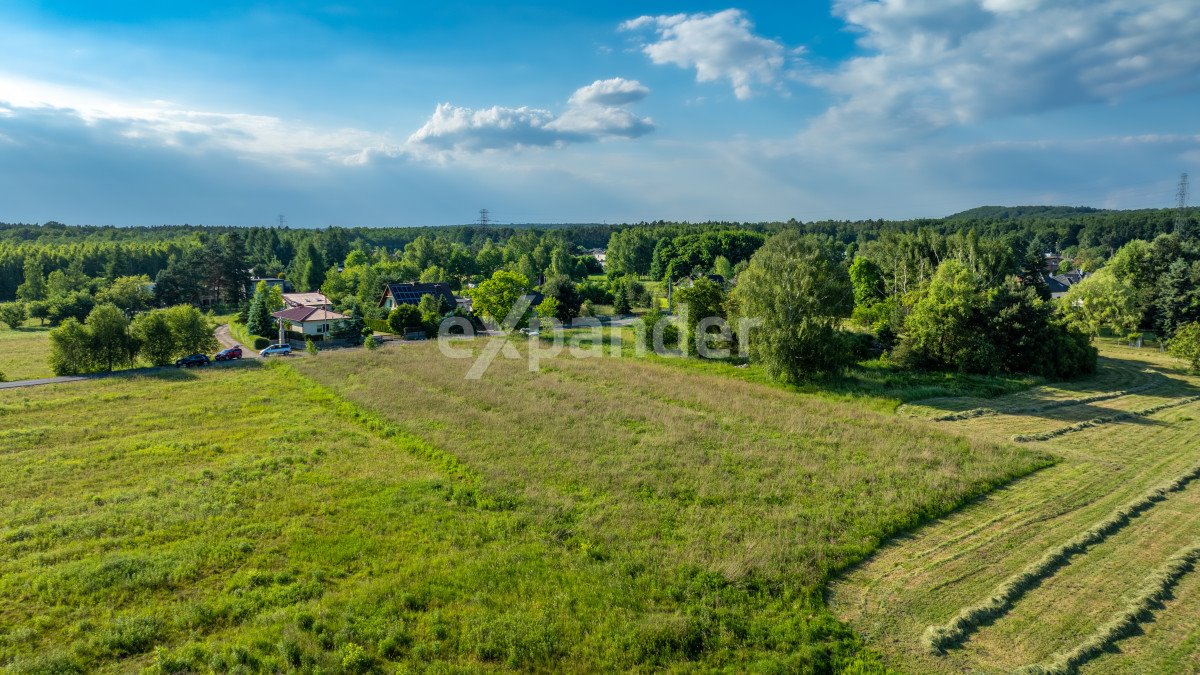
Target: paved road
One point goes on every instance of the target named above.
(44, 380)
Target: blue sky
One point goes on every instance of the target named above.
(385, 113)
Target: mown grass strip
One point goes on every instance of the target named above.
(1156, 589)
(1100, 421)
(940, 638)
(1037, 409)
(373, 422)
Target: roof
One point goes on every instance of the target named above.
(410, 294)
(1055, 285)
(307, 314)
(306, 299)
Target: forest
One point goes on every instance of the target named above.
(965, 293)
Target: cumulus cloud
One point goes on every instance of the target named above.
(934, 65)
(615, 91)
(719, 46)
(593, 113)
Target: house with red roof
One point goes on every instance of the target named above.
(310, 320)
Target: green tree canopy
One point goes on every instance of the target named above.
(798, 288)
(495, 297)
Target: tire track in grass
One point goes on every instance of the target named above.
(1154, 590)
(937, 639)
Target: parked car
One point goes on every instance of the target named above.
(193, 360)
(276, 349)
(228, 354)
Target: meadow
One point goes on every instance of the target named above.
(1085, 566)
(24, 353)
(359, 511)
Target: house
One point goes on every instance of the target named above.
(1053, 260)
(601, 255)
(410, 294)
(306, 300)
(310, 320)
(1059, 284)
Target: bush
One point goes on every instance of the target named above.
(310, 347)
(1185, 344)
(404, 318)
(13, 314)
(371, 342)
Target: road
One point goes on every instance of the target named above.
(43, 380)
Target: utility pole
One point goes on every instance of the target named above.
(282, 221)
(484, 217)
(1181, 196)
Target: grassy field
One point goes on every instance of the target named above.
(362, 510)
(24, 352)
(926, 578)
(722, 506)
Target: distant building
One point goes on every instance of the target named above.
(271, 281)
(410, 294)
(599, 254)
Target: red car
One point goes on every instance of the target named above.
(228, 354)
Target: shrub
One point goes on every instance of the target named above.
(371, 342)
(13, 314)
(310, 347)
(1185, 344)
(404, 318)
(355, 659)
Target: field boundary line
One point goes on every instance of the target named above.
(1045, 407)
(953, 633)
(376, 424)
(1100, 421)
(1156, 588)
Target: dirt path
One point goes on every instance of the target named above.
(226, 339)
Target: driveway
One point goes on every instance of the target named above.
(226, 339)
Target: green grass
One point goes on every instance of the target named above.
(24, 353)
(876, 384)
(1049, 567)
(748, 496)
(374, 510)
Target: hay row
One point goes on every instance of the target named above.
(1037, 409)
(1152, 593)
(940, 638)
(1100, 421)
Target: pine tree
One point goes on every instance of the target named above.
(258, 319)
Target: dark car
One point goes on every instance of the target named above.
(228, 354)
(193, 360)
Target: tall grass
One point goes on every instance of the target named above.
(1107, 419)
(1153, 591)
(937, 639)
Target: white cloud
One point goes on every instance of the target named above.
(934, 65)
(611, 92)
(593, 113)
(262, 138)
(720, 46)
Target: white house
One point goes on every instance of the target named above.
(310, 320)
